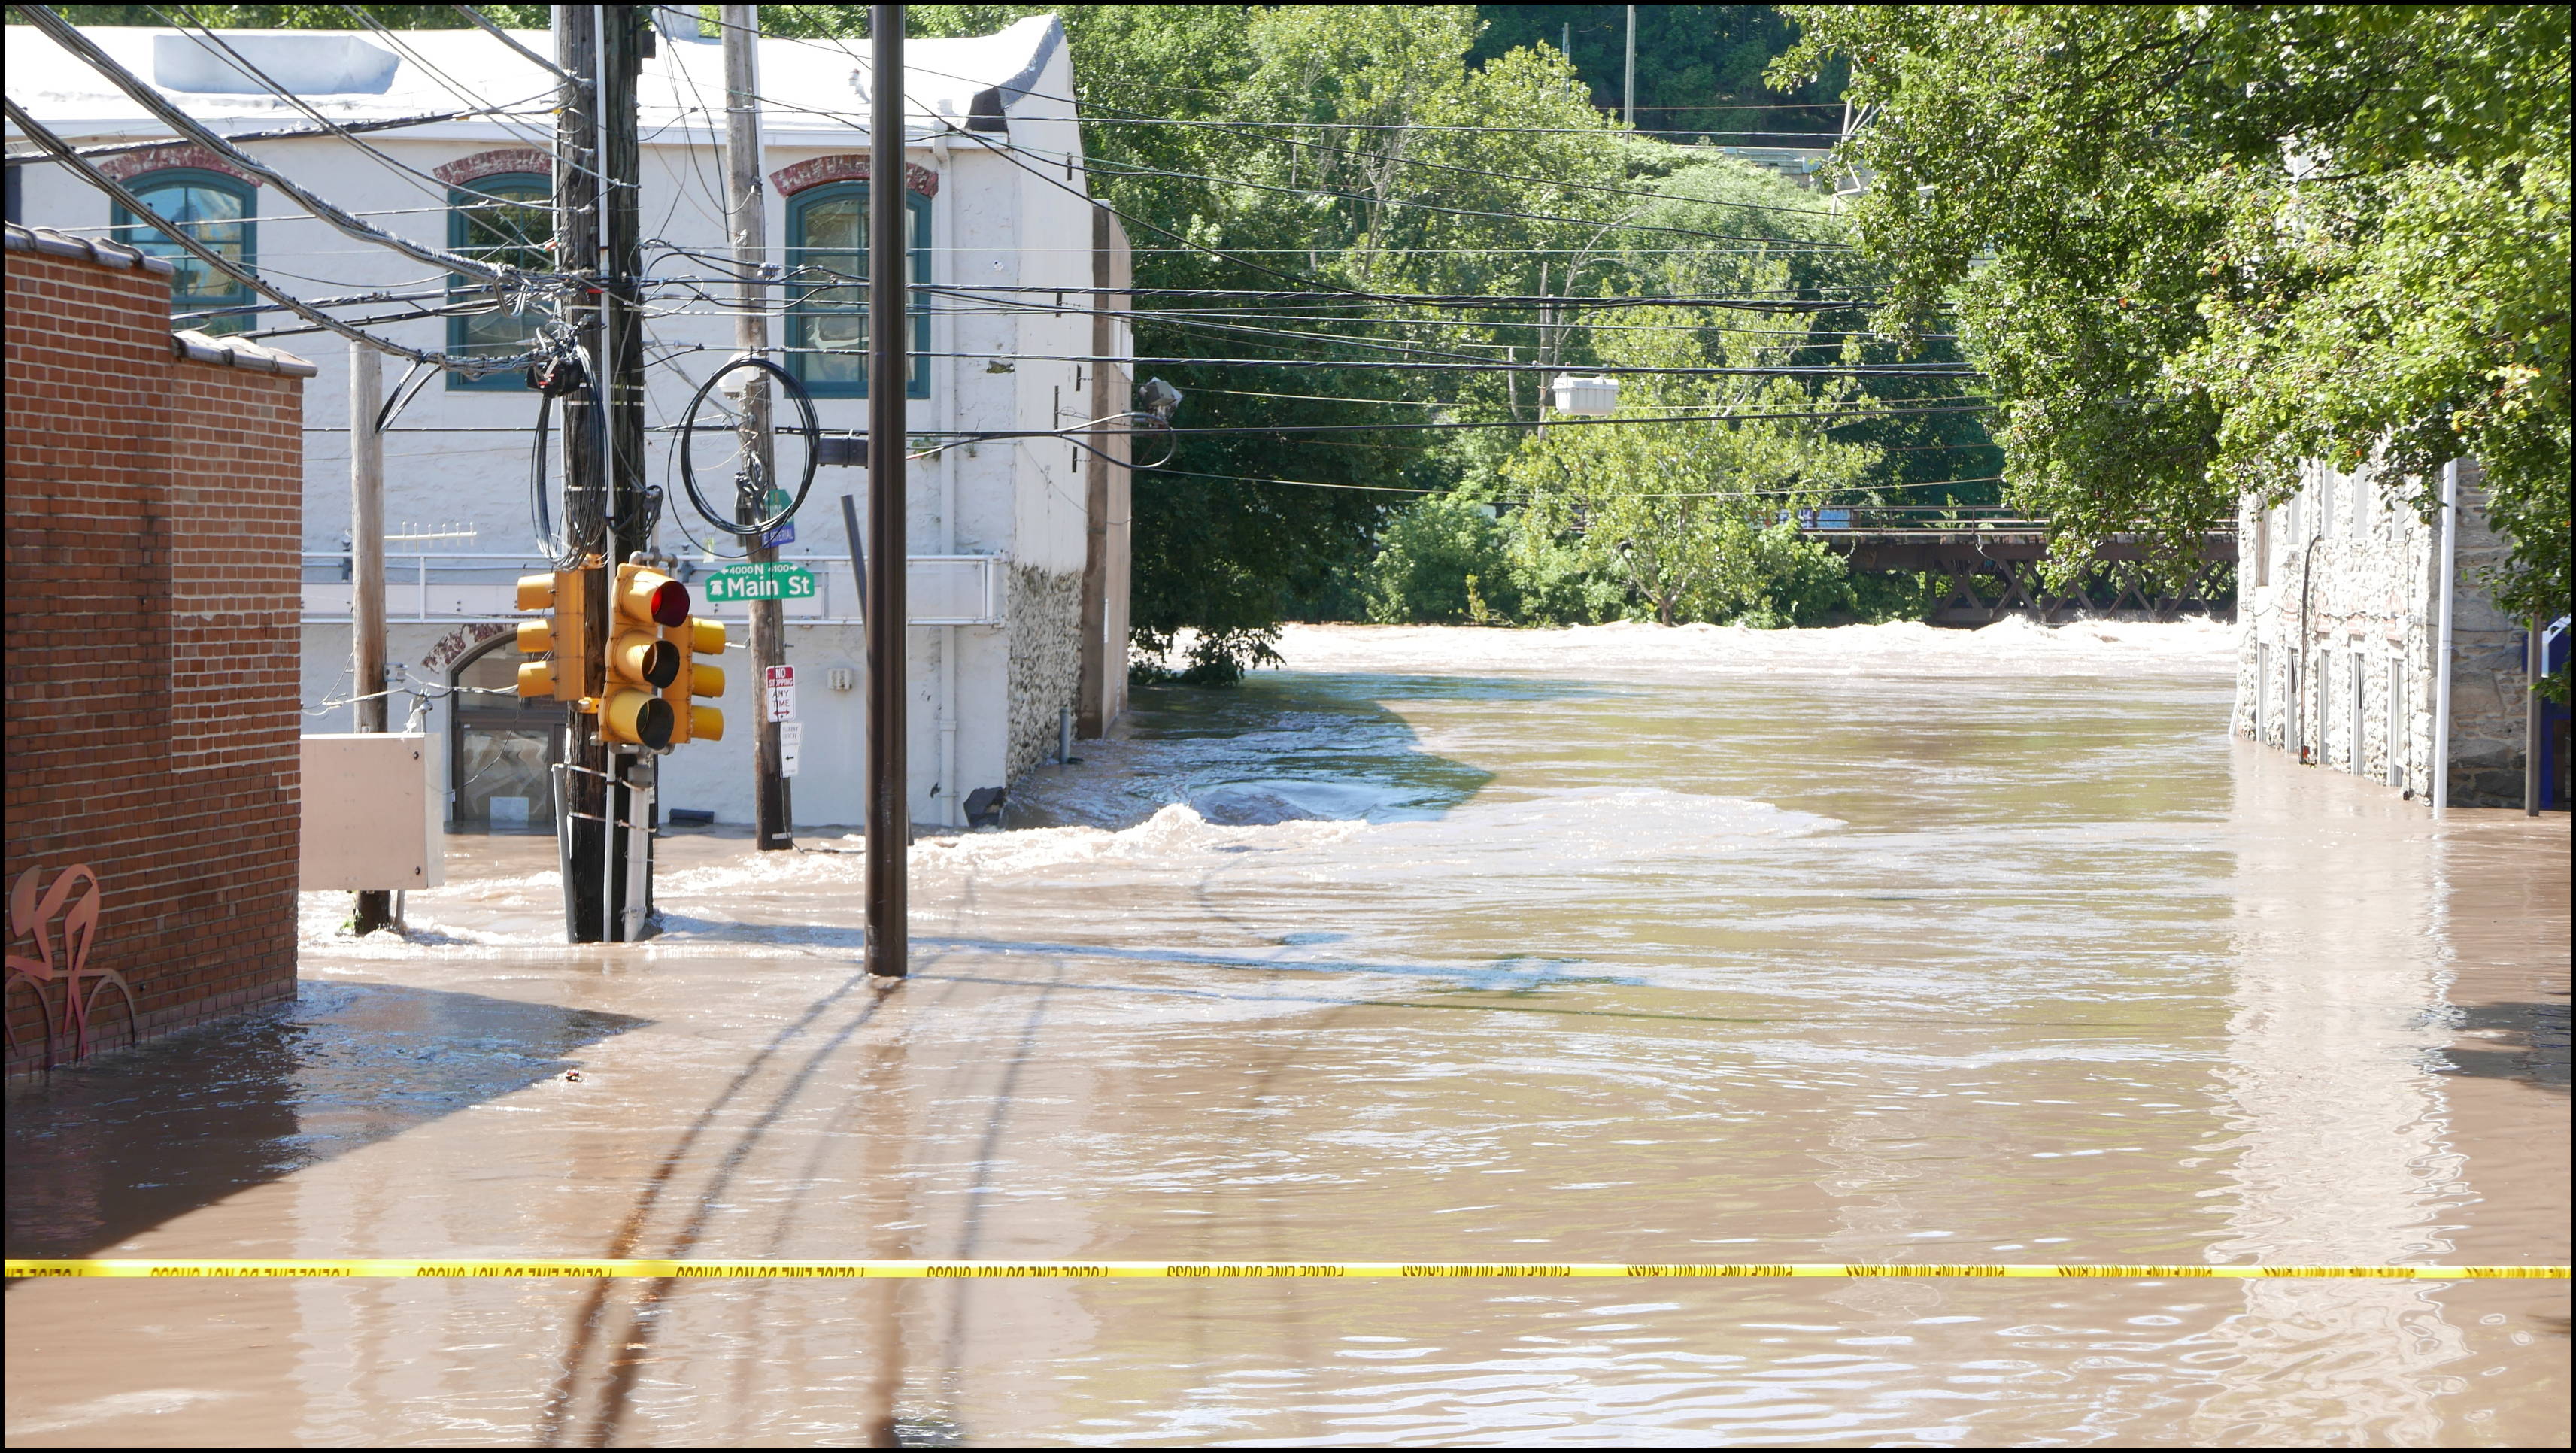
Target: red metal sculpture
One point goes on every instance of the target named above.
(68, 993)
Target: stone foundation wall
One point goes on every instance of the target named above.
(1045, 615)
(2488, 683)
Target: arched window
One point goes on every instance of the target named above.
(502, 748)
(506, 218)
(827, 290)
(220, 213)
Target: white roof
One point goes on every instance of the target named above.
(811, 86)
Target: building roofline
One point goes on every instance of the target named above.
(50, 243)
(198, 347)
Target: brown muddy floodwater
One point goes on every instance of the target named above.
(1617, 945)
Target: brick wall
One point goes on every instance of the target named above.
(154, 509)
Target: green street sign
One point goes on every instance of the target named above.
(771, 580)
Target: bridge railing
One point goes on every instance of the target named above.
(1913, 517)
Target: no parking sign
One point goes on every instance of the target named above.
(778, 695)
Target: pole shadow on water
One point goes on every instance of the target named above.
(624, 1355)
(108, 1149)
(875, 1094)
(1242, 758)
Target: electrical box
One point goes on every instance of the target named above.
(1594, 397)
(371, 822)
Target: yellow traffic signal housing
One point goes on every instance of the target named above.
(631, 714)
(690, 722)
(648, 597)
(642, 664)
(561, 677)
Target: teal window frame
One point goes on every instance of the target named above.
(461, 240)
(803, 309)
(134, 232)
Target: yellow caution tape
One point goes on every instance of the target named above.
(1211, 1270)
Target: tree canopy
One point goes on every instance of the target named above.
(2195, 245)
(1352, 164)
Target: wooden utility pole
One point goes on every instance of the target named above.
(367, 572)
(581, 797)
(626, 887)
(889, 811)
(747, 219)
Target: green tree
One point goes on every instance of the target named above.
(1394, 150)
(1696, 518)
(1443, 559)
(2193, 245)
(1373, 172)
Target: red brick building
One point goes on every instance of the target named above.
(155, 492)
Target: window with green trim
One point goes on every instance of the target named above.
(505, 219)
(219, 212)
(827, 290)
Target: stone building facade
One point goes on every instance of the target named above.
(2339, 637)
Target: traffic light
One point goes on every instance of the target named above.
(558, 637)
(641, 663)
(690, 722)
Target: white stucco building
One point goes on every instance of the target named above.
(1019, 546)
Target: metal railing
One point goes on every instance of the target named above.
(449, 585)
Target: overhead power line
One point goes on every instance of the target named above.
(1854, 415)
(437, 186)
(69, 37)
(1865, 370)
(484, 23)
(1237, 131)
(1608, 128)
(1784, 492)
(541, 141)
(291, 133)
(1102, 165)
(37, 131)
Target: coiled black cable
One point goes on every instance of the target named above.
(744, 520)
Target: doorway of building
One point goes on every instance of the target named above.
(502, 749)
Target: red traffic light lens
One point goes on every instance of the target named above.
(670, 603)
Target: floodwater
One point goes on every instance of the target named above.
(1877, 944)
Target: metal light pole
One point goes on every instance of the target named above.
(1630, 108)
(2535, 663)
(889, 817)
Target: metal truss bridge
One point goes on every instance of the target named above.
(1991, 559)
